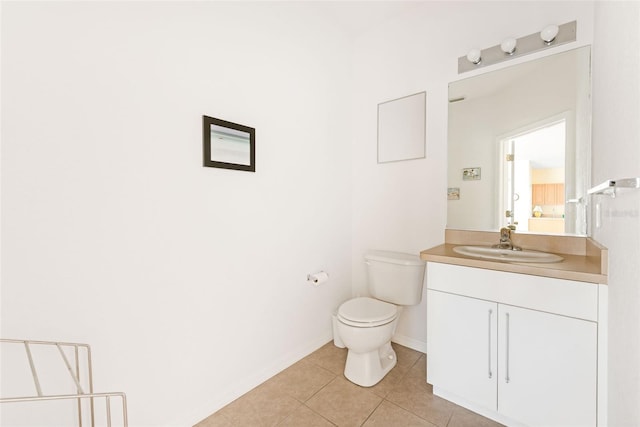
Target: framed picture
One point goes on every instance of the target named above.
(471, 174)
(453, 193)
(228, 145)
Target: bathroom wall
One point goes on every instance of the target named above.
(402, 206)
(616, 154)
(188, 282)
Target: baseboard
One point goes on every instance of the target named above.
(412, 343)
(241, 387)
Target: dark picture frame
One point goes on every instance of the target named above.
(228, 145)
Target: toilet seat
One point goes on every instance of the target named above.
(364, 312)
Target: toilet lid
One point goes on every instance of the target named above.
(367, 312)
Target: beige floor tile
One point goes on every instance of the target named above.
(402, 398)
(388, 414)
(265, 405)
(329, 357)
(305, 417)
(389, 382)
(464, 418)
(344, 403)
(215, 420)
(414, 395)
(419, 369)
(406, 356)
(302, 380)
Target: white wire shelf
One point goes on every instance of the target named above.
(83, 392)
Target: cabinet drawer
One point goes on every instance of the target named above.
(564, 297)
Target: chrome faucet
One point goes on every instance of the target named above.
(505, 239)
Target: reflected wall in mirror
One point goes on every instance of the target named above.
(528, 127)
(228, 145)
(402, 128)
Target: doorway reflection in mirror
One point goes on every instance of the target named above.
(535, 176)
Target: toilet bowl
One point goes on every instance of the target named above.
(366, 326)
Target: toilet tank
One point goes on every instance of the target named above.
(395, 277)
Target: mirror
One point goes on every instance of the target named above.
(228, 145)
(401, 128)
(519, 147)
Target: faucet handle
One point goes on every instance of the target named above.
(511, 227)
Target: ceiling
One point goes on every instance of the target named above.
(357, 17)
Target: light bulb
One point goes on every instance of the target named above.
(508, 46)
(474, 56)
(549, 33)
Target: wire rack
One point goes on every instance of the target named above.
(85, 397)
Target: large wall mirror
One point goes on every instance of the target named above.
(519, 146)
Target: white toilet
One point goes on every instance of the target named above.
(365, 325)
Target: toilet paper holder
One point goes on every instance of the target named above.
(318, 278)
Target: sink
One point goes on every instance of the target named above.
(525, 255)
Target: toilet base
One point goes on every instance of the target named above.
(367, 369)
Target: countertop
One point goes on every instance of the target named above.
(584, 259)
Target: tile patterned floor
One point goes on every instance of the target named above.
(314, 392)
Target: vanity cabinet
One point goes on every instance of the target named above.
(547, 369)
(462, 346)
(517, 348)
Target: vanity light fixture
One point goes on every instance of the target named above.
(549, 33)
(508, 45)
(474, 56)
(551, 36)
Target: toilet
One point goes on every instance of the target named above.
(365, 325)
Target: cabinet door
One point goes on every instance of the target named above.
(559, 190)
(547, 368)
(550, 194)
(461, 346)
(537, 194)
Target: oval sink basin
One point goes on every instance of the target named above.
(525, 255)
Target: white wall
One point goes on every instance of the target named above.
(616, 154)
(189, 282)
(402, 206)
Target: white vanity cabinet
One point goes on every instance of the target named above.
(547, 368)
(462, 346)
(517, 348)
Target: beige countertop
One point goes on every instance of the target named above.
(584, 259)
